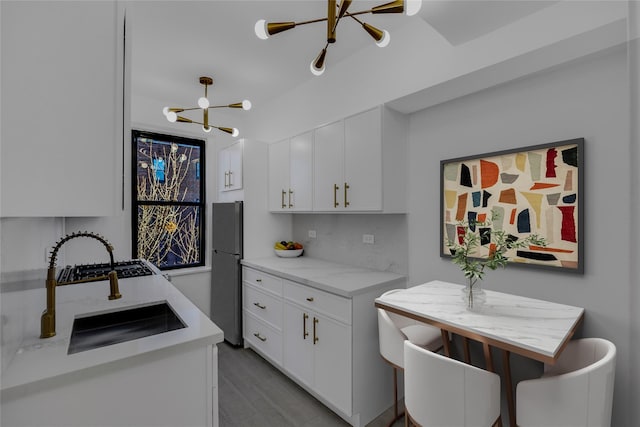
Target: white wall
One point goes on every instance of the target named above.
(590, 99)
(634, 114)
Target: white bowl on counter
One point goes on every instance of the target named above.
(289, 253)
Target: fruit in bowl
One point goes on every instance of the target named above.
(288, 249)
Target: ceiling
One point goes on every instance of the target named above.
(176, 42)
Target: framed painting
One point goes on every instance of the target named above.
(535, 190)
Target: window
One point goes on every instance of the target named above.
(168, 199)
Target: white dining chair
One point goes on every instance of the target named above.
(393, 331)
(576, 391)
(440, 391)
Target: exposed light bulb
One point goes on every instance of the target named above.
(165, 110)
(411, 7)
(172, 117)
(317, 65)
(261, 29)
(203, 102)
(384, 41)
(246, 104)
(206, 129)
(235, 132)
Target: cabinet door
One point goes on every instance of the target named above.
(301, 172)
(235, 166)
(279, 176)
(62, 99)
(223, 170)
(363, 161)
(332, 369)
(298, 343)
(328, 158)
(230, 168)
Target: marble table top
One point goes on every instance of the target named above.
(533, 328)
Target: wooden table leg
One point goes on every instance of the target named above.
(489, 364)
(445, 342)
(506, 364)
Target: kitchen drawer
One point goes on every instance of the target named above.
(263, 280)
(264, 306)
(334, 306)
(263, 337)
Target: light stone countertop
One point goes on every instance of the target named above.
(41, 359)
(339, 279)
(534, 328)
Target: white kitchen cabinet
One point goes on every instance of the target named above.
(360, 163)
(317, 342)
(63, 126)
(328, 335)
(262, 310)
(291, 174)
(230, 167)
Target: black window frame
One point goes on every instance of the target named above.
(135, 203)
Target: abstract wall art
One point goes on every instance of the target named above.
(523, 191)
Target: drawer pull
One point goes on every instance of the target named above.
(310, 299)
(315, 335)
(257, 304)
(259, 280)
(261, 338)
(305, 334)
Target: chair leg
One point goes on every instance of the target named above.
(396, 415)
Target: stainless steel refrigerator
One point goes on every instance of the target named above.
(226, 274)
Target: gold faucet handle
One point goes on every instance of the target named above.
(113, 285)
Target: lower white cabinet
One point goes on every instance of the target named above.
(262, 313)
(325, 342)
(175, 386)
(317, 350)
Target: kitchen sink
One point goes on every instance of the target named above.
(95, 331)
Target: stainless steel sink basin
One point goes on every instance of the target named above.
(104, 329)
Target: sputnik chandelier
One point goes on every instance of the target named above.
(203, 104)
(335, 13)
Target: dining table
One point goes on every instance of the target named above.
(533, 328)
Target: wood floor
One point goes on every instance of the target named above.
(254, 393)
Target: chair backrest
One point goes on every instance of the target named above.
(440, 391)
(391, 339)
(576, 391)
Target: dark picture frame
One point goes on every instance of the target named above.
(536, 189)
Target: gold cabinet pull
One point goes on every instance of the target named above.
(261, 338)
(226, 175)
(230, 182)
(290, 193)
(335, 195)
(257, 304)
(310, 299)
(305, 334)
(283, 193)
(346, 187)
(315, 335)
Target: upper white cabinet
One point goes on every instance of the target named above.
(291, 174)
(360, 163)
(230, 167)
(63, 126)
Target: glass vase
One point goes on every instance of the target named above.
(474, 296)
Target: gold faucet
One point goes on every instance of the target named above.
(48, 319)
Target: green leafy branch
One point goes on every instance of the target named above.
(464, 253)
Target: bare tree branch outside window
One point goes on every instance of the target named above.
(168, 200)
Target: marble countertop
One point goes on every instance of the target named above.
(339, 279)
(40, 359)
(531, 327)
